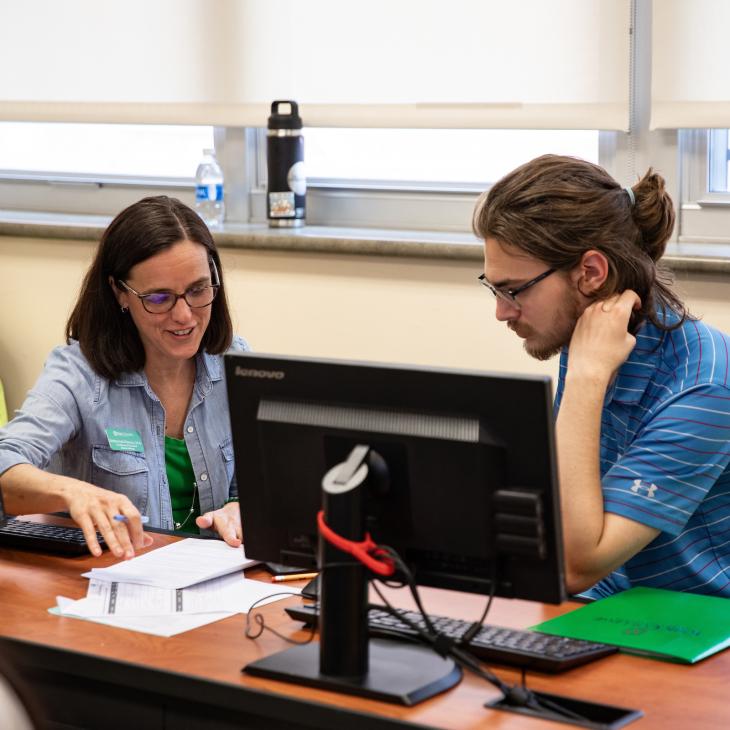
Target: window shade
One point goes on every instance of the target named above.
(410, 63)
(690, 80)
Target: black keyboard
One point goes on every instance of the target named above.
(493, 644)
(45, 538)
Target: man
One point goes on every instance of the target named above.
(643, 404)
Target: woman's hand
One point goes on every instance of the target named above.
(28, 490)
(226, 521)
(601, 341)
(94, 508)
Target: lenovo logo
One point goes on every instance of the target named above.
(265, 374)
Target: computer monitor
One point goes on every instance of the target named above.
(470, 486)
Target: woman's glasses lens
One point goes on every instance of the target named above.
(159, 300)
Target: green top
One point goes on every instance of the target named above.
(181, 478)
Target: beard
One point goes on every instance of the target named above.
(545, 345)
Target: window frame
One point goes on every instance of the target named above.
(705, 215)
(242, 154)
(389, 204)
(106, 195)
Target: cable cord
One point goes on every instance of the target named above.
(518, 694)
(251, 633)
(444, 645)
(258, 619)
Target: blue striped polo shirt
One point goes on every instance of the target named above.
(665, 458)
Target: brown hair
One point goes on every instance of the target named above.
(108, 338)
(556, 208)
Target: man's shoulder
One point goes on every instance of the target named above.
(697, 354)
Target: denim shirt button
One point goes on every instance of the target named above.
(190, 429)
(203, 477)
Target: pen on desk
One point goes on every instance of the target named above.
(293, 576)
(144, 519)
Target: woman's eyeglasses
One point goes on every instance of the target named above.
(160, 302)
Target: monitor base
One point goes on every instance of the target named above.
(401, 673)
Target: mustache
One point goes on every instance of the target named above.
(517, 330)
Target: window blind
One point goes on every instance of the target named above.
(690, 83)
(380, 63)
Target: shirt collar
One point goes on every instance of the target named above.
(207, 371)
(633, 377)
(639, 369)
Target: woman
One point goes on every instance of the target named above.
(131, 416)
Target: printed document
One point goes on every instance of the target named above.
(178, 565)
(229, 594)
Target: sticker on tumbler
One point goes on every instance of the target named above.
(296, 179)
(124, 439)
(281, 205)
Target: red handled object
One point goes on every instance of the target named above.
(367, 552)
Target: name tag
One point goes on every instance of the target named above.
(124, 439)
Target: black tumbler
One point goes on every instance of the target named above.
(287, 185)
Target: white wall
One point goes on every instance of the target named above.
(426, 311)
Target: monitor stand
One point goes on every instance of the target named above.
(346, 660)
(399, 673)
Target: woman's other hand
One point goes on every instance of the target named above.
(226, 521)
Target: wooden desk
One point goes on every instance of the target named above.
(89, 675)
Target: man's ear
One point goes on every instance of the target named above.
(591, 273)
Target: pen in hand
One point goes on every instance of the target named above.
(144, 519)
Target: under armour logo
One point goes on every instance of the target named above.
(640, 487)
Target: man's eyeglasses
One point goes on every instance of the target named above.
(160, 302)
(510, 295)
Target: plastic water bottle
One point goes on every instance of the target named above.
(209, 204)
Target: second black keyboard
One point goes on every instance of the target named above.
(44, 537)
(492, 644)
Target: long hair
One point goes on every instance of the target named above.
(556, 208)
(108, 338)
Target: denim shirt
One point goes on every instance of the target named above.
(62, 428)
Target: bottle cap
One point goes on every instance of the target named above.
(288, 120)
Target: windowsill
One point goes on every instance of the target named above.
(681, 257)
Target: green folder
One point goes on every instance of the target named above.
(681, 627)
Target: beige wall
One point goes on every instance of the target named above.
(358, 307)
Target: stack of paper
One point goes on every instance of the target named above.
(177, 565)
(172, 589)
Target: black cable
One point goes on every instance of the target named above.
(258, 619)
(516, 695)
(411, 583)
(476, 627)
(447, 647)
